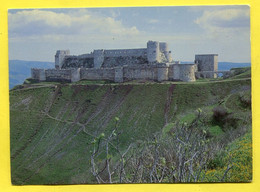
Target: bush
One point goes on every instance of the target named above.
(245, 100)
(30, 81)
(17, 87)
(219, 115)
(216, 162)
(224, 119)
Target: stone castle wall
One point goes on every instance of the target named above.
(119, 65)
(162, 72)
(38, 74)
(97, 74)
(137, 73)
(156, 52)
(122, 61)
(82, 61)
(106, 58)
(125, 52)
(58, 75)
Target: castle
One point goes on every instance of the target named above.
(119, 65)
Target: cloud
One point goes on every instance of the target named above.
(21, 18)
(203, 29)
(39, 23)
(153, 21)
(225, 19)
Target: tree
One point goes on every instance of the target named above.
(179, 156)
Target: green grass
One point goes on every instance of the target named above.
(167, 128)
(239, 73)
(188, 118)
(92, 82)
(215, 130)
(49, 144)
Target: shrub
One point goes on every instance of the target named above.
(30, 81)
(219, 115)
(245, 99)
(17, 87)
(230, 122)
(224, 119)
(216, 162)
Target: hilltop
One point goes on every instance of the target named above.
(54, 125)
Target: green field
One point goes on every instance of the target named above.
(53, 125)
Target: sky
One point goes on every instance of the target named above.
(36, 34)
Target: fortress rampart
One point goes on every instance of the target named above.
(174, 72)
(151, 63)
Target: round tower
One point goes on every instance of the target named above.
(164, 49)
(187, 72)
(153, 51)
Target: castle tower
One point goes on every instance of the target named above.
(164, 49)
(59, 57)
(153, 51)
(98, 58)
(207, 62)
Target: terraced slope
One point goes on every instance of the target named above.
(52, 126)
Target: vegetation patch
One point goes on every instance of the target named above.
(237, 159)
(53, 127)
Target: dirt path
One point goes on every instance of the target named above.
(168, 103)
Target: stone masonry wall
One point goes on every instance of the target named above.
(138, 73)
(187, 72)
(58, 75)
(124, 60)
(125, 52)
(156, 52)
(71, 62)
(207, 62)
(162, 72)
(97, 74)
(38, 74)
(182, 72)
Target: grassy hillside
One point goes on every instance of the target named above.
(53, 125)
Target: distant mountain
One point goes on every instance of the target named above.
(228, 65)
(19, 70)
(223, 66)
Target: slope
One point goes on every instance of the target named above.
(52, 126)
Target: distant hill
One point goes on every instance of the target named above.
(225, 65)
(229, 65)
(19, 70)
